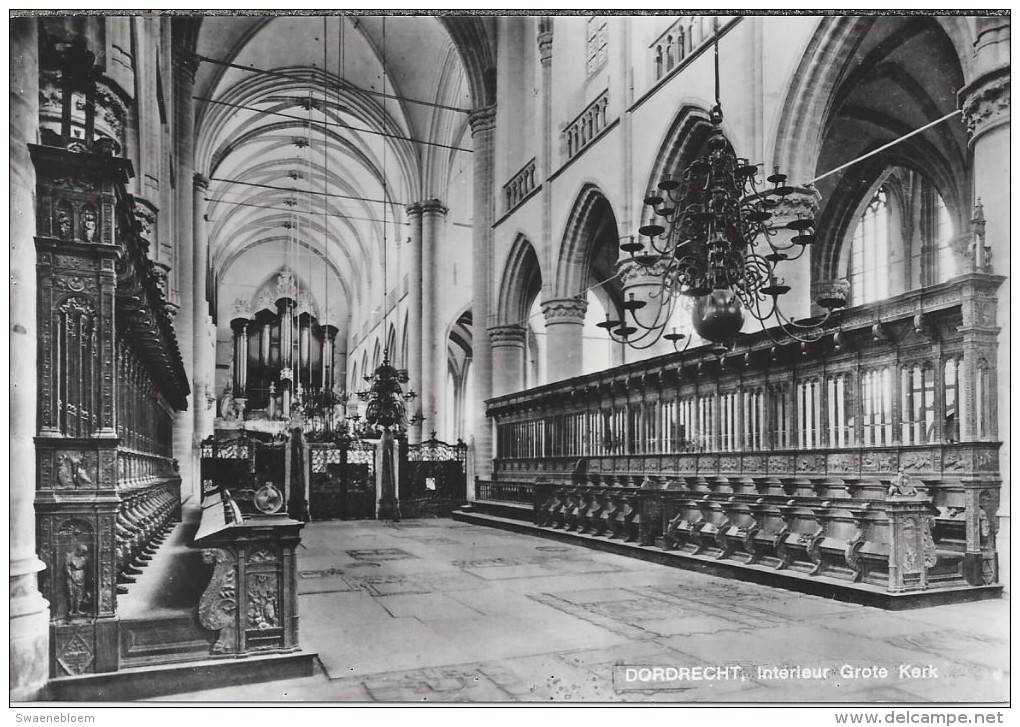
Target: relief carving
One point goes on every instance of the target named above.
(920, 461)
(263, 555)
(841, 463)
(217, 610)
(931, 555)
(910, 561)
(263, 603)
(754, 463)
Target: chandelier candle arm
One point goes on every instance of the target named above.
(720, 234)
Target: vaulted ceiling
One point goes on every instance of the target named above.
(315, 133)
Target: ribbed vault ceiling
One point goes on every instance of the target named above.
(347, 120)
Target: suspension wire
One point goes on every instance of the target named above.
(220, 200)
(579, 297)
(295, 190)
(341, 83)
(882, 148)
(326, 233)
(385, 291)
(245, 107)
(715, 33)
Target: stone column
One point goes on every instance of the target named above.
(564, 326)
(205, 361)
(797, 303)
(433, 358)
(507, 358)
(29, 614)
(414, 313)
(483, 123)
(986, 102)
(645, 284)
(545, 47)
(184, 138)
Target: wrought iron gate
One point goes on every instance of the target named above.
(342, 481)
(434, 481)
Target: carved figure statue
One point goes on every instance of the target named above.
(228, 407)
(902, 486)
(65, 471)
(75, 569)
(64, 224)
(88, 225)
(81, 475)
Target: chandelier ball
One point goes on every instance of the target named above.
(718, 316)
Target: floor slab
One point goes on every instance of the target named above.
(440, 611)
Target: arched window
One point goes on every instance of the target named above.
(869, 253)
(943, 237)
(658, 62)
(669, 53)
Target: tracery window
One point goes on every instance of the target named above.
(869, 252)
(944, 235)
(597, 40)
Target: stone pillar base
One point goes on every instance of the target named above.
(30, 637)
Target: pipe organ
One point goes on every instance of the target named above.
(275, 352)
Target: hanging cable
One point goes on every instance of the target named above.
(385, 284)
(882, 148)
(339, 86)
(220, 200)
(295, 190)
(715, 33)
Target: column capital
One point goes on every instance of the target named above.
(433, 207)
(482, 119)
(545, 41)
(985, 103)
(200, 181)
(802, 202)
(564, 310)
(512, 335)
(242, 308)
(414, 209)
(632, 272)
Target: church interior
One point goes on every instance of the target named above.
(482, 358)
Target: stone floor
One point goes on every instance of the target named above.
(440, 611)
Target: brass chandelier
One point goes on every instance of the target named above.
(386, 396)
(714, 249)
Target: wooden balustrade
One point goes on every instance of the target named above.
(786, 456)
(520, 186)
(589, 123)
(145, 517)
